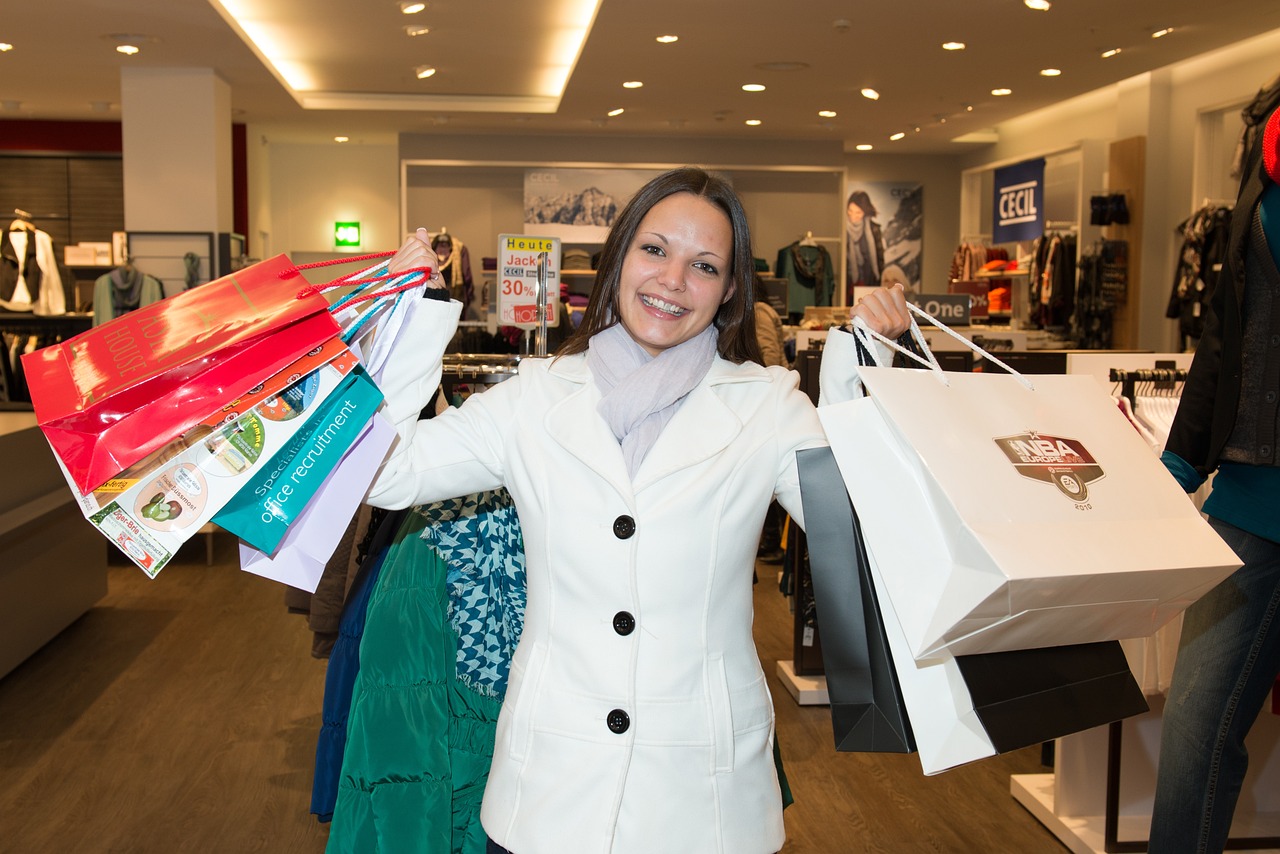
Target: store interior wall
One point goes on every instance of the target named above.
(310, 187)
(1169, 106)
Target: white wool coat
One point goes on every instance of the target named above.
(637, 717)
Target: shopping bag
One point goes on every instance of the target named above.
(868, 713)
(155, 506)
(110, 396)
(1029, 696)
(967, 708)
(1014, 513)
(269, 502)
(310, 541)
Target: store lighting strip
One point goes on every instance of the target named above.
(271, 43)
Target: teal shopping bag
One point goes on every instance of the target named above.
(261, 512)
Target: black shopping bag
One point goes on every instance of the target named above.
(1028, 696)
(867, 711)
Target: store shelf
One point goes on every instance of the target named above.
(1085, 834)
(805, 690)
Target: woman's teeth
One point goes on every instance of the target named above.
(662, 305)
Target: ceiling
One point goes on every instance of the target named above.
(353, 63)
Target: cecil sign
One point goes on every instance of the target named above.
(1019, 202)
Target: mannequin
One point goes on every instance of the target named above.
(123, 290)
(455, 269)
(29, 277)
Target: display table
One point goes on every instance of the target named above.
(53, 565)
(1072, 801)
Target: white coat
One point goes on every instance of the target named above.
(637, 717)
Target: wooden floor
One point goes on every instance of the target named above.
(180, 715)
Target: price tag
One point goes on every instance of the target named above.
(518, 256)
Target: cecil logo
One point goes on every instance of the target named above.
(1062, 462)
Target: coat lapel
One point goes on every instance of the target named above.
(577, 427)
(700, 429)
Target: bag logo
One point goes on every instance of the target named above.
(1063, 462)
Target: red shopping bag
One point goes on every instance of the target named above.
(107, 398)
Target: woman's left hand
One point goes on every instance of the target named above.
(884, 310)
(415, 253)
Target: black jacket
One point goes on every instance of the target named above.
(1211, 396)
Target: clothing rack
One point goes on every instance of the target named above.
(476, 369)
(1161, 379)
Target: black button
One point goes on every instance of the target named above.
(619, 721)
(624, 623)
(1275, 340)
(1271, 397)
(624, 527)
(1265, 450)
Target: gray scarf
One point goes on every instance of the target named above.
(640, 393)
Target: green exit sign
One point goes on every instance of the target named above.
(346, 234)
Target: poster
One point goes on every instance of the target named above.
(578, 205)
(883, 235)
(1018, 207)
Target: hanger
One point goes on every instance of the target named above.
(808, 240)
(23, 222)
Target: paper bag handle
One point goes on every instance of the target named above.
(932, 363)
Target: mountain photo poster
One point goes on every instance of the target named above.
(578, 205)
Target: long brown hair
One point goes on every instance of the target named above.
(735, 319)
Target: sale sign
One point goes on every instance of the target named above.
(518, 259)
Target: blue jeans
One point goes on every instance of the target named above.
(1228, 660)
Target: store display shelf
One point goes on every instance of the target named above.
(1086, 834)
(805, 690)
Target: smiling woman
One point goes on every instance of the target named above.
(641, 460)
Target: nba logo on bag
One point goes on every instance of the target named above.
(1063, 462)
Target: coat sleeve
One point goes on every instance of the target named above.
(456, 453)
(797, 427)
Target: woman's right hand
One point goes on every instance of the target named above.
(417, 252)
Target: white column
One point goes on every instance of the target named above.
(177, 150)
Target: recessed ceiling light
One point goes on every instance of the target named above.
(953, 45)
(1038, 5)
(897, 136)
(871, 94)
(416, 30)
(968, 108)
(422, 72)
(1107, 54)
(127, 49)
(342, 139)
(752, 87)
(1162, 33)
(827, 114)
(616, 112)
(864, 146)
(1050, 72)
(667, 39)
(412, 8)
(999, 92)
(632, 84)
(753, 122)
(5, 46)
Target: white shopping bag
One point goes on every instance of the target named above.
(310, 541)
(1012, 513)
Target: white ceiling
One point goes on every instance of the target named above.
(489, 79)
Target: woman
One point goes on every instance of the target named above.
(864, 244)
(641, 460)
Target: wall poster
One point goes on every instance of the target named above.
(578, 205)
(883, 235)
